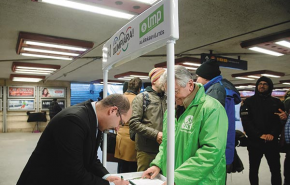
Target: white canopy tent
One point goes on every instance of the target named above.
(154, 28)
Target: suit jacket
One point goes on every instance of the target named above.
(66, 153)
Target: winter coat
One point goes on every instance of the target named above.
(258, 118)
(125, 147)
(147, 124)
(54, 108)
(200, 142)
(217, 91)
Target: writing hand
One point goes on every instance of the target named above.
(151, 172)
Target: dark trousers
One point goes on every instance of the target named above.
(126, 166)
(273, 158)
(287, 166)
(51, 116)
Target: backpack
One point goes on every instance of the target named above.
(230, 110)
(146, 102)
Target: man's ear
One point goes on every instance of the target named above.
(191, 85)
(111, 110)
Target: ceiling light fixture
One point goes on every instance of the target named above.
(187, 62)
(45, 56)
(26, 78)
(131, 74)
(285, 82)
(245, 86)
(32, 68)
(284, 43)
(257, 74)
(54, 46)
(89, 8)
(52, 52)
(43, 46)
(151, 2)
(266, 51)
(100, 81)
(276, 44)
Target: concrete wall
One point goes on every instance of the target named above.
(16, 121)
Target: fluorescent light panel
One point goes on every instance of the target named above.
(244, 78)
(113, 83)
(130, 77)
(54, 46)
(252, 76)
(22, 79)
(50, 51)
(191, 68)
(144, 77)
(45, 56)
(89, 8)
(35, 68)
(269, 75)
(124, 79)
(32, 70)
(266, 51)
(150, 2)
(191, 64)
(27, 72)
(283, 43)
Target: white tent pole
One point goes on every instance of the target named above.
(170, 112)
(105, 92)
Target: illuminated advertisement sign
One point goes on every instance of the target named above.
(21, 92)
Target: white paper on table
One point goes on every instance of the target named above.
(147, 181)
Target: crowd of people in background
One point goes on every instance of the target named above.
(204, 128)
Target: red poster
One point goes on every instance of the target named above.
(21, 92)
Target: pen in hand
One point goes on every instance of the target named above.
(132, 182)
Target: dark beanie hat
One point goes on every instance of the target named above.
(209, 69)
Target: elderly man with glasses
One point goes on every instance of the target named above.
(66, 152)
(200, 135)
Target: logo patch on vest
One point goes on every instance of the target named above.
(187, 125)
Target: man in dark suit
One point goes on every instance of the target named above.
(66, 153)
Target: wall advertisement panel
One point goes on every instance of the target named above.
(21, 92)
(46, 102)
(52, 92)
(21, 104)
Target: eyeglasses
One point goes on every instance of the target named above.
(263, 84)
(121, 120)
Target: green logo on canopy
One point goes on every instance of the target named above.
(153, 20)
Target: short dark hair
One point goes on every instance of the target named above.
(135, 84)
(54, 99)
(125, 87)
(117, 100)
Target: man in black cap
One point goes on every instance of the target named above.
(261, 115)
(225, 92)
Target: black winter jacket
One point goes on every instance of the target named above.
(258, 116)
